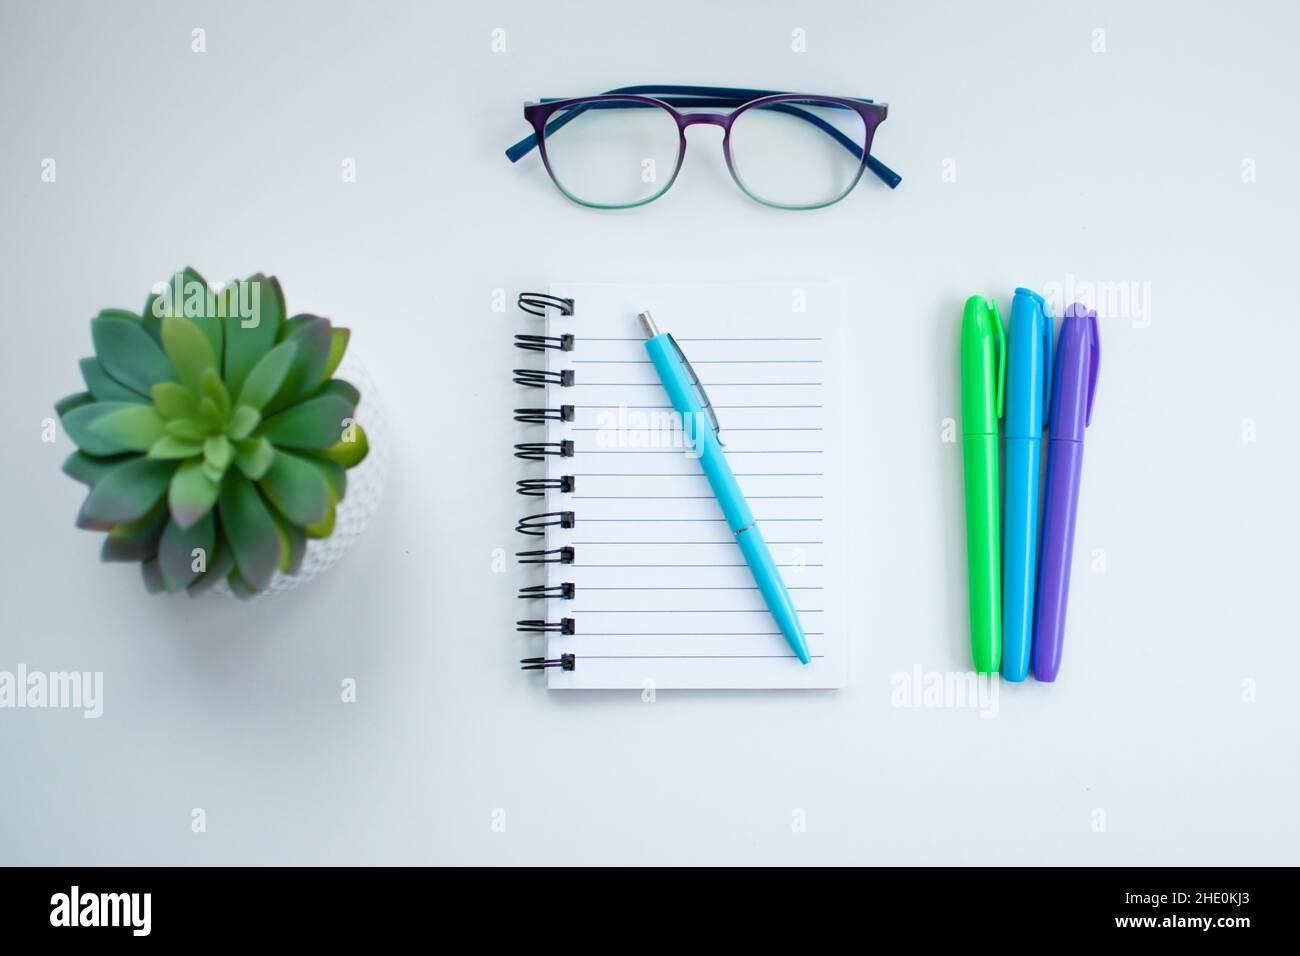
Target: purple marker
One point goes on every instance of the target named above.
(1074, 386)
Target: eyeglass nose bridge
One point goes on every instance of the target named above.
(704, 119)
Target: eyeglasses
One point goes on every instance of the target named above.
(788, 150)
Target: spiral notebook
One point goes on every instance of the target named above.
(636, 579)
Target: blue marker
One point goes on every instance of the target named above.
(1029, 374)
(685, 393)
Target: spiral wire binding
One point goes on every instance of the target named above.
(540, 416)
(566, 591)
(539, 343)
(538, 487)
(538, 450)
(540, 378)
(565, 625)
(538, 304)
(553, 556)
(565, 662)
(537, 524)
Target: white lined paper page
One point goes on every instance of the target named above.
(663, 596)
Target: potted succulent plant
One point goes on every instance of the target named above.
(212, 434)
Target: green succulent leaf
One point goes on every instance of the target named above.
(344, 390)
(267, 376)
(323, 529)
(338, 345)
(169, 447)
(173, 400)
(240, 587)
(77, 423)
(68, 402)
(254, 457)
(103, 386)
(188, 350)
(122, 314)
(345, 452)
(246, 344)
(127, 352)
(220, 563)
(192, 493)
(219, 452)
(297, 489)
(293, 544)
(176, 550)
(312, 339)
(87, 523)
(151, 318)
(88, 469)
(211, 387)
(187, 429)
(190, 299)
(133, 428)
(250, 529)
(190, 303)
(315, 423)
(128, 491)
(335, 476)
(295, 322)
(209, 414)
(205, 315)
(297, 548)
(135, 540)
(242, 422)
(152, 574)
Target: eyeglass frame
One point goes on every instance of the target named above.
(539, 114)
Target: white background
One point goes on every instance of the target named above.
(1117, 166)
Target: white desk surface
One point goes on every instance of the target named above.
(1164, 164)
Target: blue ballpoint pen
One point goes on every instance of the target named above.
(684, 391)
(1029, 373)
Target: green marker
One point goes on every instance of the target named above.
(983, 374)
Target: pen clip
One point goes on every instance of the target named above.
(1047, 364)
(1000, 340)
(699, 387)
(1094, 364)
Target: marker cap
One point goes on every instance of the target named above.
(983, 366)
(1078, 359)
(1029, 365)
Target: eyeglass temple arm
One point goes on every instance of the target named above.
(711, 96)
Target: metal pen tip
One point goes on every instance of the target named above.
(648, 325)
